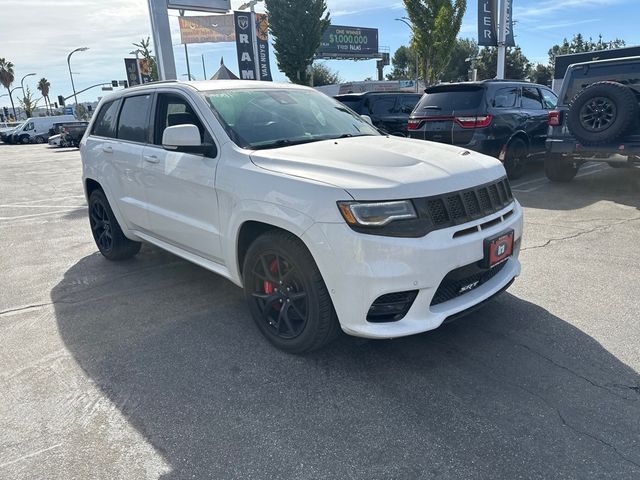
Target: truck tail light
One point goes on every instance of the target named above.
(480, 121)
(554, 118)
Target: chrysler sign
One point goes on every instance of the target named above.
(487, 23)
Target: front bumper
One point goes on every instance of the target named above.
(359, 268)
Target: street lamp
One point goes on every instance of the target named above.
(252, 5)
(406, 21)
(22, 81)
(13, 107)
(81, 49)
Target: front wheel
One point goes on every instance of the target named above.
(558, 169)
(287, 296)
(107, 232)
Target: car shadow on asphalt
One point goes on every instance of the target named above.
(511, 391)
(618, 185)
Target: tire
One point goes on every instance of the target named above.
(557, 169)
(110, 240)
(516, 158)
(39, 140)
(287, 296)
(25, 140)
(602, 113)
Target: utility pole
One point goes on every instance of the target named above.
(502, 39)
(204, 69)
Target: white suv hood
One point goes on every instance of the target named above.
(379, 168)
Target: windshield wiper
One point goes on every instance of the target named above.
(285, 142)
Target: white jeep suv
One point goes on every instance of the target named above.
(324, 222)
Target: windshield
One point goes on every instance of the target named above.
(271, 118)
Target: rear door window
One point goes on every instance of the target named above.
(531, 99)
(354, 104)
(133, 124)
(105, 125)
(450, 99)
(505, 98)
(383, 105)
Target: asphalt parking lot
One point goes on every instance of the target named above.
(152, 368)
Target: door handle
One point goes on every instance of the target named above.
(151, 159)
(107, 149)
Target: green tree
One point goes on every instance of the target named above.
(463, 57)
(44, 85)
(579, 44)
(7, 76)
(27, 102)
(404, 64)
(81, 112)
(297, 27)
(436, 24)
(517, 65)
(542, 74)
(323, 75)
(145, 50)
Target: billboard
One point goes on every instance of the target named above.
(214, 6)
(487, 23)
(207, 29)
(349, 42)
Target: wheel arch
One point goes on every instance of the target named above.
(248, 232)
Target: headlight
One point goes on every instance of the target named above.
(376, 214)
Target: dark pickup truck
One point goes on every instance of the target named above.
(597, 118)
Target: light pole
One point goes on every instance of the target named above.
(81, 49)
(406, 21)
(22, 81)
(13, 107)
(254, 35)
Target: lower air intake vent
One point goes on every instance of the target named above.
(391, 307)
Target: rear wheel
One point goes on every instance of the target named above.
(516, 158)
(39, 139)
(107, 232)
(287, 296)
(558, 169)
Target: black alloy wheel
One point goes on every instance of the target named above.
(516, 158)
(597, 114)
(279, 294)
(286, 294)
(101, 227)
(106, 231)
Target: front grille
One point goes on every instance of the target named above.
(463, 206)
(456, 280)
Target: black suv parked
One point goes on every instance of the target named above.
(502, 118)
(596, 119)
(388, 111)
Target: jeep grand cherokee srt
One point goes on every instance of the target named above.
(325, 223)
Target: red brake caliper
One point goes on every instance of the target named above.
(269, 287)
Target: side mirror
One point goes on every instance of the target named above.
(181, 137)
(367, 119)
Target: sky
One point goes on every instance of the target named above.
(37, 35)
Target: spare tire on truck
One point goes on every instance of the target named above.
(603, 113)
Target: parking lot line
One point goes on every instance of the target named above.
(22, 217)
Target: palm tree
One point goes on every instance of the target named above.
(6, 79)
(44, 86)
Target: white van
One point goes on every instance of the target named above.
(36, 129)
